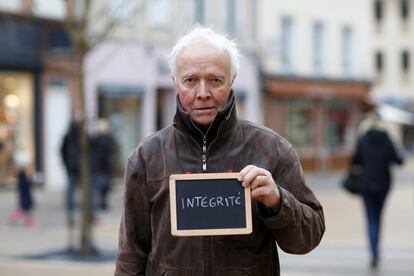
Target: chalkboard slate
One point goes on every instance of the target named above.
(209, 204)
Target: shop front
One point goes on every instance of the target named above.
(319, 117)
(26, 46)
(16, 122)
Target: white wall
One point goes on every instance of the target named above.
(391, 36)
(10, 5)
(55, 9)
(334, 14)
(120, 63)
(56, 122)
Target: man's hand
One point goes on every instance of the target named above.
(262, 185)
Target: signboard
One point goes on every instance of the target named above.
(209, 204)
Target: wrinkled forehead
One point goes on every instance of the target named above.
(202, 50)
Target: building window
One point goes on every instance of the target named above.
(158, 13)
(286, 43)
(379, 62)
(405, 61)
(231, 17)
(318, 47)
(378, 10)
(199, 12)
(346, 62)
(404, 9)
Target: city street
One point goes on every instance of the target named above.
(42, 249)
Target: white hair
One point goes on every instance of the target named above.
(217, 40)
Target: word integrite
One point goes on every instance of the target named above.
(210, 202)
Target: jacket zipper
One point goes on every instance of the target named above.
(204, 155)
(204, 147)
(205, 240)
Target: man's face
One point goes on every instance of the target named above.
(203, 81)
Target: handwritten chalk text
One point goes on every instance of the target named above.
(210, 202)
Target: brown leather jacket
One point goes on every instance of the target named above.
(146, 246)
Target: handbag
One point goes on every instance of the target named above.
(351, 182)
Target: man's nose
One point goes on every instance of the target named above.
(203, 90)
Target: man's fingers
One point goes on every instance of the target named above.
(259, 180)
(245, 171)
(250, 176)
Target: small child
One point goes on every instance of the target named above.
(24, 190)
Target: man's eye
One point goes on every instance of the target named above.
(216, 81)
(189, 80)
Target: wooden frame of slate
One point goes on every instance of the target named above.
(209, 204)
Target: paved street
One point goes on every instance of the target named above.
(41, 250)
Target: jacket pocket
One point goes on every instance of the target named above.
(176, 272)
(234, 272)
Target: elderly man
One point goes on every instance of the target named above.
(207, 137)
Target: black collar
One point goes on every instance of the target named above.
(221, 126)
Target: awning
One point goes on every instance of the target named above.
(112, 90)
(394, 114)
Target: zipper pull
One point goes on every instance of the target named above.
(204, 163)
(204, 156)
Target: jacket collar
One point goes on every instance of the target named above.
(221, 126)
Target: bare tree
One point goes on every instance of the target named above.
(88, 24)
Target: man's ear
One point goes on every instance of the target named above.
(232, 81)
(174, 82)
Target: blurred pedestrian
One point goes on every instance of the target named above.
(70, 153)
(23, 212)
(374, 154)
(102, 146)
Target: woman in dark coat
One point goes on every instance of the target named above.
(374, 154)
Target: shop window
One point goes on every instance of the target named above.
(300, 127)
(16, 122)
(337, 126)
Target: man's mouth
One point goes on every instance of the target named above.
(203, 108)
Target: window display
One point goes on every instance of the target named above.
(300, 126)
(16, 121)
